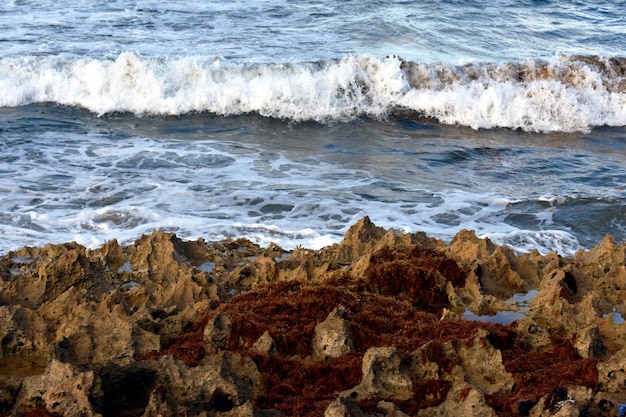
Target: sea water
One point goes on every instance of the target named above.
(286, 121)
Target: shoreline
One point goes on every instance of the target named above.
(374, 325)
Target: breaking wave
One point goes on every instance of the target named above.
(561, 94)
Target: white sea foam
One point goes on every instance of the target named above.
(102, 188)
(563, 94)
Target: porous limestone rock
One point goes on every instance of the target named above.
(90, 333)
(265, 344)
(22, 332)
(389, 409)
(534, 335)
(45, 273)
(612, 373)
(483, 366)
(63, 389)
(385, 375)
(343, 407)
(158, 259)
(463, 400)
(217, 330)
(587, 342)
(571, 401)
(612, 334)
(332, 337)
(423, 369)
(107, 330)
(221, 382)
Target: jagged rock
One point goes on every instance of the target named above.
(221, 383)
(483, 366)
(47, 272)
(332, 337)
(170, 322)
(183, 293)
(9, 388)
(109, 320)
(158, 258)
(605, 265)
(385, 375)
(22, 332)
(343, 407)
(581, 396)
(217, 330)
(534, 335)
(492, 265)
(464, 400)
(587, 342)
(612, 335)
(111, 254)
(358, 240)
(63, 389)
(244, 410)
(549, 308)
(423, 369)
(612, 373)
(122, 386)
(606, 403)
(90, 333)
(157, 405)
(389, 409)
(265, 344)
(564, 402)
(364, 238)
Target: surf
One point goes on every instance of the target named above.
(561, 94)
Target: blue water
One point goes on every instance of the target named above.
(286, 122)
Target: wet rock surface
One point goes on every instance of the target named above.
(381, 324)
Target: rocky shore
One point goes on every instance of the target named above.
(381, 324)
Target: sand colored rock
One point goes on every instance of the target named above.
(22, 331)
(265, 345)
(63, 389)
(612, 373)
(332, 337)
(482, 365)
(463, 401)
(217, 330)
(42, 274)
(373, 325)
(385, 375)
(343, 407)
(222, 382)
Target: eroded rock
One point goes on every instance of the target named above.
(465, 400)
(166, 327)
(332, 337)
(385, 375)
(483, 365)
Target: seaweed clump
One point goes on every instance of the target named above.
(419, 275)
(397, 302)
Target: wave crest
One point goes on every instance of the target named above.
(566, 93)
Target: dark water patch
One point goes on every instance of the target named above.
(590, 219)
(276, 208)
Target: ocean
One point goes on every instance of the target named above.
(286, 122)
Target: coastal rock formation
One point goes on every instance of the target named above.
(381, 324)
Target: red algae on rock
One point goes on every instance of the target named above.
(371, 326)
